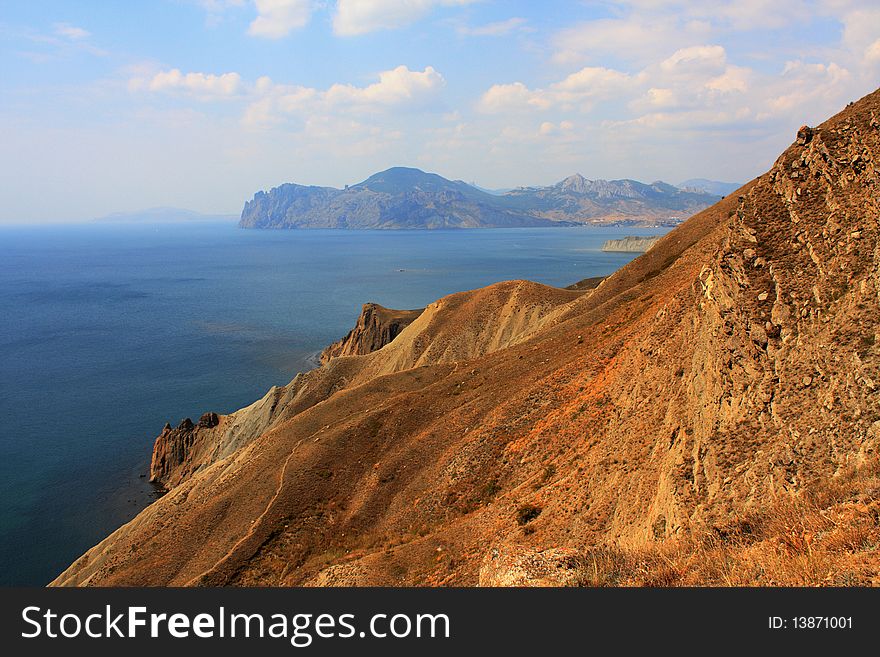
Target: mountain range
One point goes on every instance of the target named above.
(706, 415)
(710, 186)
(403, 197)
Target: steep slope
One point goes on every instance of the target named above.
(403, 197)
(509, 430)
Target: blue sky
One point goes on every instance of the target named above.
(118, 106)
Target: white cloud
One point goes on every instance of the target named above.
(695, 59)
(734, 79)
(577, 90)
(355, 17)
(398, 89)
(662, 97)
(514, 97)
(499, 28)
(636, 38)
(205, 86)
(739, 15)
(271, 103)
(806, 90)
(278, 18)
(592, 82)
(71, 31)
(548, 128)
(399, 86)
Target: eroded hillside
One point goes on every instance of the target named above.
(727, 372)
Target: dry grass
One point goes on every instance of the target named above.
(828, 536)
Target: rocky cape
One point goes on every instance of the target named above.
(630, 244)
(409, 198)
(719, 393)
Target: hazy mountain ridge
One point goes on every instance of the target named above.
(710, 186)
(403, 197)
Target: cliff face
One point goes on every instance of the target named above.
(508, 431)
(630, 244)
(173, 448)
(376, 327)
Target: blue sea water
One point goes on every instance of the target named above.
(108, 331)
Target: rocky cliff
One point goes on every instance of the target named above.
(708, 413)
(630, 244)
(376, 327)
(174, 448)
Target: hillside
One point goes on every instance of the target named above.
(706, 415)
(409, 198)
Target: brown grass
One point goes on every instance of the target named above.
(828, 536)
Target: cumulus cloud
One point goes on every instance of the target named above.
(577, 90)
(354, 17)
(693, 89)
(636, 39)
(695, 59)
(278, 18)
(661, 97)
(734, 79)
(205, 86)
(269, 102)
(398, 88)
(806, 88)
(512, 97)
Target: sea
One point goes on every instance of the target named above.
(107, 331)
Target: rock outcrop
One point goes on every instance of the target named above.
(173, 449)
(506, 430)
(630, 244)
(376, 327)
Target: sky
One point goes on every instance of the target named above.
(120, 106)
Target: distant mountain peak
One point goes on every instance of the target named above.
(575, 183)
(398, 180)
